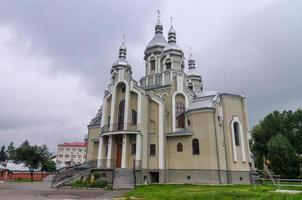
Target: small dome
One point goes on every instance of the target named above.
(171, 30)
(159, 28)
(121, 61)
(123, 46)
(192, 72)
(172, 46)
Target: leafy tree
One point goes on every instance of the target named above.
(33, 157)
(29, 156)
(283, 158)
(47, 164)
(3, 156)
(10, 151)
(279, 132)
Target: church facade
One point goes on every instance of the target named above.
(166, 127)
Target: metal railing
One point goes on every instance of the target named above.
(119, 127)
(136, 166)
(262, 178)
(74, 171)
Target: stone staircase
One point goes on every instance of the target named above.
(67, 179)
(123, 179)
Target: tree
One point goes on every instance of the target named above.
(284, 160)
(3, 156)
(33, 157)
(279, 132)
(47, 164)
(10, 151)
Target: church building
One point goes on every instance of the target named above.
(165, 127)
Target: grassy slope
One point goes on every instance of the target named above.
(206, 192)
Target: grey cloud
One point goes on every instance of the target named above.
(252, 47)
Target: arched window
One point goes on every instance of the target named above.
(195, 147)
(190, 85)
(134, 117)
(152, 64)
(180, 115)
(121, 111)
(236, 133)
(179, 147)
(168, 64)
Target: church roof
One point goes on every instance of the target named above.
(192, 72)
(158, 40)
(203, 100)
(172, 46)
(73, 144)
(97, 119)
(121, 62)
(2, 167)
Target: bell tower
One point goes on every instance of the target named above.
(121, 69)
(194, 79)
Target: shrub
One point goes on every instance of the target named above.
(100, 183)
(96, 175)
(94, 184)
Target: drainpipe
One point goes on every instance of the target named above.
(225, 152)
(218, 162)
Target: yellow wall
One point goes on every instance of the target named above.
(92, 148)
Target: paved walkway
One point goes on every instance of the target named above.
(42, 190)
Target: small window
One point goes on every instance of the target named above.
(180, 115)
(152, 149)
(133, 148)
(80, 150)
(191, 86)
(134, 117)
(66, 156)
(121, 110)
(108, 122)
(189, 123)
(106, 150)
(195, 147)
(168, 64)
(236, 133)
(179, 147)
(152, 65)
(61, 156)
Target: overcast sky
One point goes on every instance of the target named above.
(56, 56)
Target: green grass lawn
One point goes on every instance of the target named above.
(207, 192)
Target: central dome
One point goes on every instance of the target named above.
(158, 40)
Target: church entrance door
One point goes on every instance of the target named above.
(118, 152)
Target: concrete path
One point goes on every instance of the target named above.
(42, 190)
